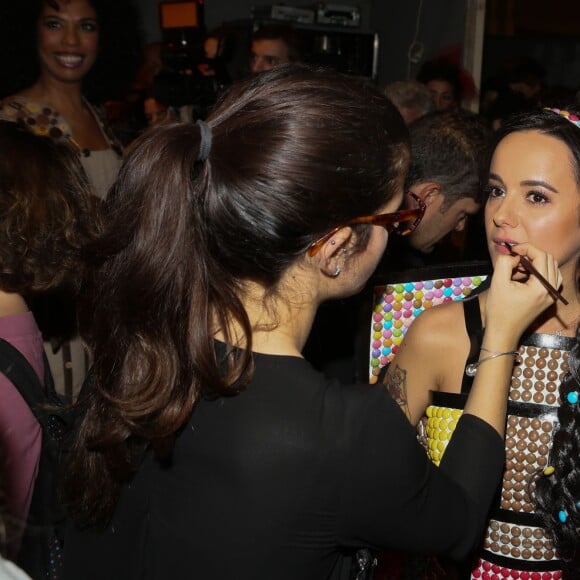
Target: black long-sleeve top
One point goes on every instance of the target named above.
(282, 480)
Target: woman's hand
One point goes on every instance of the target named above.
(514, 303)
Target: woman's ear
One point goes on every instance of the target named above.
(333, 253)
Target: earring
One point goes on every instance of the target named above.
(336, 272)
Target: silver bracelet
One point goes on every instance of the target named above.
(471, 369)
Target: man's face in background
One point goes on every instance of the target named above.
(268, 54)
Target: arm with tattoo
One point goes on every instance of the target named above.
(396, 384)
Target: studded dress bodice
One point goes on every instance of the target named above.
(515, 543)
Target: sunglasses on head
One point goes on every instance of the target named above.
(401, 223)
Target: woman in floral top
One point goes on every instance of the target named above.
(58, 57)
(68, 49)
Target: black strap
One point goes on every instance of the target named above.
(474, 329)
(15, 366)
(41, 545)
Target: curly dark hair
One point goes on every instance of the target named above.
(119, 47)
(47, 213)
(558, 494)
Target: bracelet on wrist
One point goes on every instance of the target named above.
(482, 348)
(471, 369)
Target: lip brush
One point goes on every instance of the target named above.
(529, 267)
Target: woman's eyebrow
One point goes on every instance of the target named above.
(527, 182)
(539, 182)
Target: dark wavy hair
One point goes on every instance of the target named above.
(561, 490)
(547, 122)
(295, 151)
(119, 47)
(47, 213)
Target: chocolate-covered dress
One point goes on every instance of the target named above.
(515, 544)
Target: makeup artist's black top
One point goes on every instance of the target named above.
(281, 481)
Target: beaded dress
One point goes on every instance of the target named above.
(515, 544)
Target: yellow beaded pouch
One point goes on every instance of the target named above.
(438, 428)
(439, 422)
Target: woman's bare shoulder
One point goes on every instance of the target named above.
(438, 323)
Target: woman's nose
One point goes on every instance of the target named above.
(504, 212)
(71, 36)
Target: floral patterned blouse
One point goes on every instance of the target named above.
(101, 166)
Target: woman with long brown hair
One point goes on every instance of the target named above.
(209, 447)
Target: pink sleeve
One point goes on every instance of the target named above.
(20, 432)
(20, 438)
